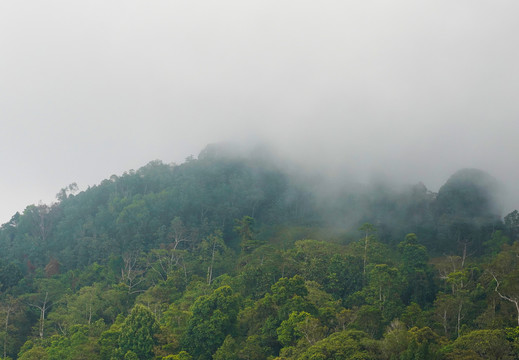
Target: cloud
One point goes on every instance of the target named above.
(413, 89)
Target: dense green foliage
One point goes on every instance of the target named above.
(227, 257)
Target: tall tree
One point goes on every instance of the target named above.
(368, 230)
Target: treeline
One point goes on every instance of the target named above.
(228, 257)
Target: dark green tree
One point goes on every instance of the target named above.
(512, 224)
(467, 210)
(245, 229)
(418, 275)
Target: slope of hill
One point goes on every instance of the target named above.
(233, 256)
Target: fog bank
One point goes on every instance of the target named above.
(411, 91)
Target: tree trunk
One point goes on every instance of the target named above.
(8, 312)
(459, 320)
(210, 269)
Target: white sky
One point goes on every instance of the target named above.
(415, 89)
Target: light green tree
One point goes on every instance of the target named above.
(137, 332)
(214, 317)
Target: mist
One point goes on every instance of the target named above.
(399, 90)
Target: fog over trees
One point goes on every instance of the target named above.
(357, 198)
(413, 91)
(240, 255)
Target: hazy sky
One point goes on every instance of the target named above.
(414, 89)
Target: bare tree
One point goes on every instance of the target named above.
(43, 307)
(9, 306)
(132, 272)
(178, 232)
(514, 299)
(368, 230)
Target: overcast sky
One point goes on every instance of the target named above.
(413, 89)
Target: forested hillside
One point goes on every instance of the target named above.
(240, 256)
